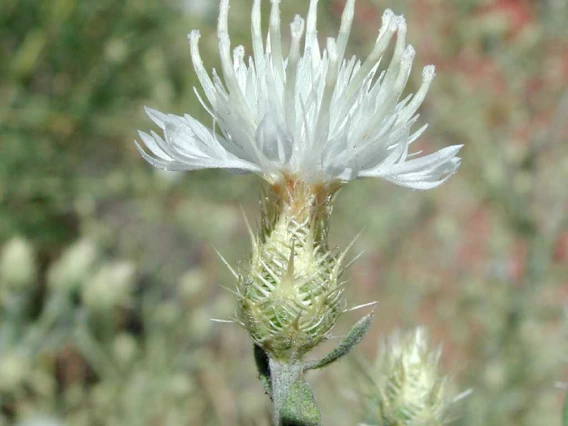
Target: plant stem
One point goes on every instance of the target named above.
(283, 375)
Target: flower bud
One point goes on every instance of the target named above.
(411, 389)
(73, 267)
(17, 264)
(110, 286)
(291, 296)
(192, 282)
(125, 348)
(14, 370)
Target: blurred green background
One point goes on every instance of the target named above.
(108, 274)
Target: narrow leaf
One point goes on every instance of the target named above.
(355, 335)
(300, 408)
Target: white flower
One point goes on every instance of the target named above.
(410, 387)
(314, 114)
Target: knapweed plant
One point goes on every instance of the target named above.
(307, 121)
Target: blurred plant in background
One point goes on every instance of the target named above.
(407, 387)
(482, 263)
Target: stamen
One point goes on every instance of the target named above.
(399, 51)
(322, 126)
(202, 75)
(405, 66)
(297, 31)
(388, 28)
(345, 29)
(311, 44)
(235, 93)
(333, 56)
(396, 77)
(227, 64)
(276, 38)
(428, 74)
(257, 44)
(225, 48)
(223, 19)
(238, 57)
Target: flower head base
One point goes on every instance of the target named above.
(411, 390)
(291, 296)
(313, 114)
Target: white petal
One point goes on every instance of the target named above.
(423, 163)
(157, 117)
(273, 140)
(313, 113)
(156, 146)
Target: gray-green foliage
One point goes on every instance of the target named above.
(117, 361)
(565, 411)
(76, 71)
(294, 401)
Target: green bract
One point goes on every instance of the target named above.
(292, 294)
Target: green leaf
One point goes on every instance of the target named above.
(263, 367)
(300, 408)
(355, 335)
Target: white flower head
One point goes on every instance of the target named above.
(312, 114)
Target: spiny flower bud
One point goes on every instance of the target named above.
(411, 390)
(14, 369)
(73, 267)
(17, 264)
(291, 296)
(110, 286)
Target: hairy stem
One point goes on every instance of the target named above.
(283, 375)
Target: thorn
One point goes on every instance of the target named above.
(310, 239)
(296, 321)
(269, 270)
(365, 305)
(352, 261)
(462, 395)
(288, 277)
(249, 228)
(233, 292)
(344, 253)
(331, 336)
(222, 321)
(226, 263)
